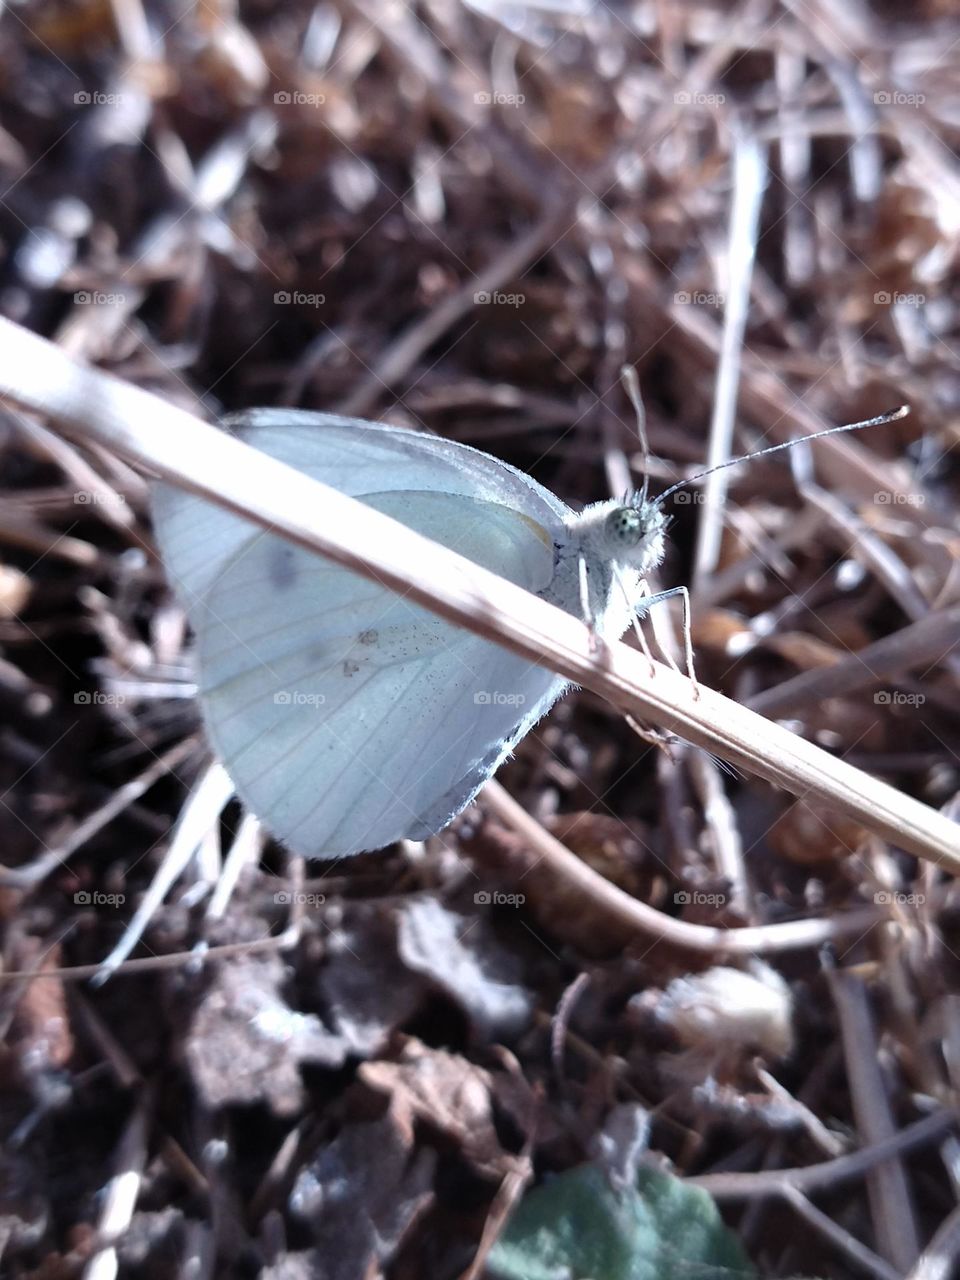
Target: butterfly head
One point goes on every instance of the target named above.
(629, 533)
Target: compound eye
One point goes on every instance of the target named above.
(625, 526)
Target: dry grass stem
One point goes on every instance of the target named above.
(188, 452)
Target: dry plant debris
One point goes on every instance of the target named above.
(467, 217)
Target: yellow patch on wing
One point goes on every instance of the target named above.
(538, 529)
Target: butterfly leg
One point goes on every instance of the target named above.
(687, 637)
(653, 737)
(634, 619)
(642, 641)
(586, 609)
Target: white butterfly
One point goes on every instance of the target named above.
(347, 716)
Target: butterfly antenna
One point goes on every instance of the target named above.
(631, 384)
(892, 416)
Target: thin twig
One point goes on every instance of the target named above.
(871, 1262)
(749, 181)
(742, 1186)
(29, 876)
(636, 917)
(918, 645)
(939, 1259)
(891, 1203)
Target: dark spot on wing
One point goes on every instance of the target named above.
(283, 566)
(350, 668)
(368, 637)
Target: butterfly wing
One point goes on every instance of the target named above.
(346, 715)
(198, 539)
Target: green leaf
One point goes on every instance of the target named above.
(578, 1226)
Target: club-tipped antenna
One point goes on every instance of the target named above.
(631, 384)
(892, 416)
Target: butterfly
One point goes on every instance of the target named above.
(347, 716)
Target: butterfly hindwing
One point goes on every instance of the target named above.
(348, 716)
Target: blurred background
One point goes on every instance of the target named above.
(466, 218)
